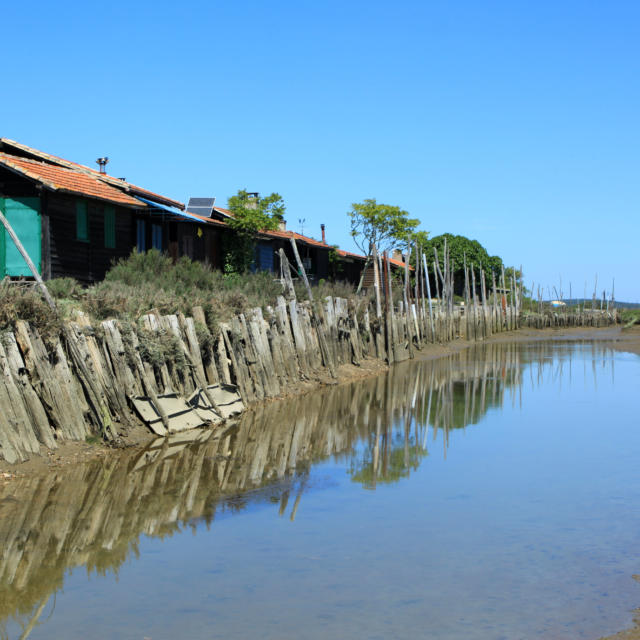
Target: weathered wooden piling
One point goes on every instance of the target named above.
(83, 383)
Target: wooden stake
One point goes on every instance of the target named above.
(303, 273)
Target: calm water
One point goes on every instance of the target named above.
(490, 494)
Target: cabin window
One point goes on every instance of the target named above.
(82, 221)
(141, 236)
(156, 236)
(109, 227)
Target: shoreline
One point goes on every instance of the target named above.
(73, 452)
(77, 453)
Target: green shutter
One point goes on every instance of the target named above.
(109, 227)
(23, 214)
(82, 221)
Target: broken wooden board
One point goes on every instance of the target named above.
(226, 397)
(182, 416)
(191, 413)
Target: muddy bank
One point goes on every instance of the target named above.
(139, 436)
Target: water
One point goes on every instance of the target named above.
(490, 494)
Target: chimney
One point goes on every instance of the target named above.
(324, 240)
(102, 163)
(252, 200)
(282, 225)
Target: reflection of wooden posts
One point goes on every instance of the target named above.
(34, 619)
(27, 259)
(303, 273)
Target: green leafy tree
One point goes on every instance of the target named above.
(420, 238)
(250, 214)
(384, 225)
(461, 248)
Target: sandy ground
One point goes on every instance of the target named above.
(77, 452)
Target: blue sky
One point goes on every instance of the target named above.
(514, 123)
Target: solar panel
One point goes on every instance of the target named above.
(201, 206)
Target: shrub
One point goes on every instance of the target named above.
(25, 302)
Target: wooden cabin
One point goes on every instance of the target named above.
(75, 221)
(313, 253)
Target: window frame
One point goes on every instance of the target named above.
(82, 221)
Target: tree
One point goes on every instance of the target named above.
(384, 225)
(250, 214)
(460, 249)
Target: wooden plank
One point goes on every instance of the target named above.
(303, 273)
(37, 414)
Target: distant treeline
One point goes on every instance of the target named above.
(571, 302)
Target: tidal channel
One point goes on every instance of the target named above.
(493, 493)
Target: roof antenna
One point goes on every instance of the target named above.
(102, 163)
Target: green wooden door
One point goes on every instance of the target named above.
(23, 215)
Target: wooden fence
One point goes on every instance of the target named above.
(83, 383)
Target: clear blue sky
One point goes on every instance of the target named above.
(512, 122)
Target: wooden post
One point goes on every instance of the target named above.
(286, 274)
(303, 273)
(376, 281)
(364, 270)
(426, 275)
(27, 259)
(391, 345)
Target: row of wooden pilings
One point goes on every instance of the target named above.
(82, 383)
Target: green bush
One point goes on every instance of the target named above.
(151, 281)
(64, 288)
(25, 302)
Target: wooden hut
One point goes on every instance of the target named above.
(75, 221)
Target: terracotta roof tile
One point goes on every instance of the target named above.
(288, 234)
(61, 179)
(223, 211)
(104, 177)
(348, 254)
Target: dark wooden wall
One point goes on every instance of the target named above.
(85, 261)
(14, 186)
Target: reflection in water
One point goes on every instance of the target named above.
(93, 514)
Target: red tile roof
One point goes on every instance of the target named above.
(270, 234)
(223, 211)
(298, 237)
(68, 180)
(357, 256)
(111, 180)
